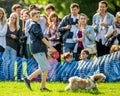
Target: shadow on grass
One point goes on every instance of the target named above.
(89, 91)
(83, 91)
(61, 91)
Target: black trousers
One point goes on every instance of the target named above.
(102, 49)
(2, 49)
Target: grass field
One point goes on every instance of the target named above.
(19, 89)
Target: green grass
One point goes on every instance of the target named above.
(19, 89)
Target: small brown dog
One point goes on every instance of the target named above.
(87, 84)
(114, 48)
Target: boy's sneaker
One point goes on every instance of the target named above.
(27, 82)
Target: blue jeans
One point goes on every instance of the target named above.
(19, 68)
(1, 67)
(9, 57)
(68, 47)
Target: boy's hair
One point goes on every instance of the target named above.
(15, 6)
(114, 48)
(50, 6)
(34, 12)
(67, 55)
(73, 5)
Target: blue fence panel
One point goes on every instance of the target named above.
(108, 64)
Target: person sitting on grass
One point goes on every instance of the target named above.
(68, 65)
(38, 48)
(67, 56)
(84, 55)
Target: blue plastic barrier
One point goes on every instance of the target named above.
(107, 64)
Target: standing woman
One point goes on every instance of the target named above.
(23, 48)
(3, 31)
(12, 39)
(53, 33)
(23, 38)
(83, 35)
(101, 22)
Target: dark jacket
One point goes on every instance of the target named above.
(36, 36)
(61, 28)
(65, 21)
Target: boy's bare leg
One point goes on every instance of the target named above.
(34, 74)
(44, 77)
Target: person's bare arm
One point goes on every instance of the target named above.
(48, 45)
(110, 34)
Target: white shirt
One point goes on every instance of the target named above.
(74, 18)
(3, 31)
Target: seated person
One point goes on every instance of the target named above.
(67, 56)
(67, 67)
(84, 55)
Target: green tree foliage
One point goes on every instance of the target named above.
(114, 6)
(88, 7)
(7, 4)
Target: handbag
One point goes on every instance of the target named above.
(91, 48)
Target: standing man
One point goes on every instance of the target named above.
(49, 8)
(66, 24)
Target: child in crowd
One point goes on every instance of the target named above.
(67, 57)
(38, 46)
(84, 55)
(67, 66)
(85, 64)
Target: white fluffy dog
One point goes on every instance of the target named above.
(87, 84)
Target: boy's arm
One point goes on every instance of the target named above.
(48, 45)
